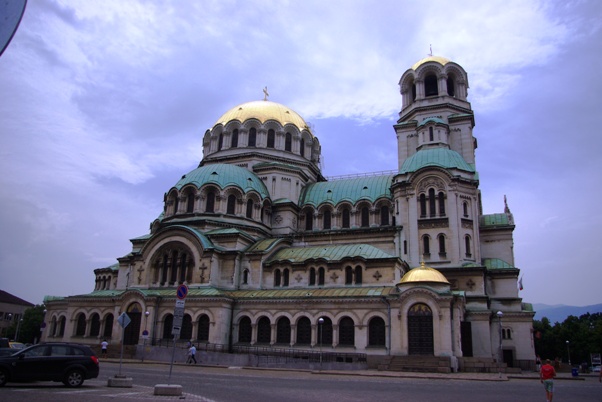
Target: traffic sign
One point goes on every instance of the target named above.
(182, 292)
(145, 334)
(124, 320)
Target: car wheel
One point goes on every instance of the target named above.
(3, 377)
(73, 378)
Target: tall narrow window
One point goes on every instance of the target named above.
(288, 142)
(345, 223)
(432, 203)
(451, 90)
(441, 199)
(190, 203)
(252, 137)
(210, 206)
(231, 207)
(431, 136)
(176, 205)
(220, 142)
(465, 208)
(245, 277)
(384, 215)
(277, 278)
(303, 331)
(183, 267)
(283, 331)
(203, 328)
(365, 217)
(441, 244)
(80, 329)
(376, 332)
(346, 332)
(285, 275)
(309, 220)
(312, 276)
(250, 209)
(430, 85)
(245, 330)
(264, 330)
(467, 246)
(426, 247)
(348, 275)
(271, 138)
(422, 206)
(234, 142)
(413, 92)
(327, 218)
(358, 275)
(302, 147)
(321, 276)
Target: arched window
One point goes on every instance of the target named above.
(465, 209)
(245, 277)
(384, 215)
(108, 332)
(346, 218)
(190, 203)
(234, 142)
(252, 137)
(432, 203)
(283, 331)
(285, 275)
(95, 325)
(312, 276)
(430, 85)
(431, 136)
(346, 332)
(422, 206)
(358, 275)
(210, 205)
(376, 332)
(348, 275)
(288, 141)
(62, 323)
(231, 206)
(264, 330)
(365, 217)
(441, 199)
(176, 204)
(277, 278)
(321, 276)
(186, 330)
(271, 138)
(413, 92)
(167, 326)
(309, 219)
(220, 142)
(467, 245)
(244, 330)
(451, 90)
(327, 219)
(183, 267)
(303, 331)
(80, 329)
(250, 209)
(203, 328)
(325, 332)
(441, 238)
(302, 147)
(426, 246)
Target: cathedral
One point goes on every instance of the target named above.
(274, 254)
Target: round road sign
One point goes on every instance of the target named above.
(182, 292)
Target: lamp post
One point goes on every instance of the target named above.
(320, 322)
(19, 326)
(145, 333)
(10, 318)
(568, 352)
(499, 360)
(43, 324)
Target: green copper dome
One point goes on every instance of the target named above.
(223, 176)
(441, 157)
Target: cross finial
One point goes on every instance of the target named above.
(265, 94)
(431, 50)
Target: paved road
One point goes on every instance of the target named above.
(236, 384)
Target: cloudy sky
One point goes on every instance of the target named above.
(103, 106)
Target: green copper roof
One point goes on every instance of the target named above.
(352, 190)
(313, 292)
(494, 220)
(203, 239)
(441, 157)
(432, 119)
(224, 175)
(496, 263)
(264, 245)
(296, 255)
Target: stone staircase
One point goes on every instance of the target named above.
(484, 365)
(423, 364)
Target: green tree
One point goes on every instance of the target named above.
(29, 326)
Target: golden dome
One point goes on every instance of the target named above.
(423, 274)
(263, 111)
(441, 60)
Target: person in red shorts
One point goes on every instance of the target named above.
(546, 377)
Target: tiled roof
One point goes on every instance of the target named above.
(496, 263)
(328, 253)
(352, 190)
(8, 298)
(441, 157)
(494, 220)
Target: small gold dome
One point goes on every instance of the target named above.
(441, 60)
(423, 274)
(263, 111)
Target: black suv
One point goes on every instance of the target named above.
(66, 362)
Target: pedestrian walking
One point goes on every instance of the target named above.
(191, 355)
(103, 347)
(546, 377)
(538, 363)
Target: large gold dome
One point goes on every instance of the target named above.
(441, 60)
(423, 274)
(263, 111)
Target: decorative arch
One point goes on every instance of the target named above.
(420, 330)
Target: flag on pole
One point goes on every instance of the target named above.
(520, 283)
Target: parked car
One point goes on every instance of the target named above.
(596, 369)
(7, 351)
(66, 362)
(16, 345)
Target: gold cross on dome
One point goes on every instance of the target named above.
(265, 94)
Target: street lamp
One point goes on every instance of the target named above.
(43, 325)
(499, 360)
(145, 333)
(320, 322)
(568, 351)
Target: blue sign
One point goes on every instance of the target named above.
(182, 292)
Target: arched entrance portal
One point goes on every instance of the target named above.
(132, 331)
(420, 330)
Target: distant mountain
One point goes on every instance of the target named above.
(560, 312)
